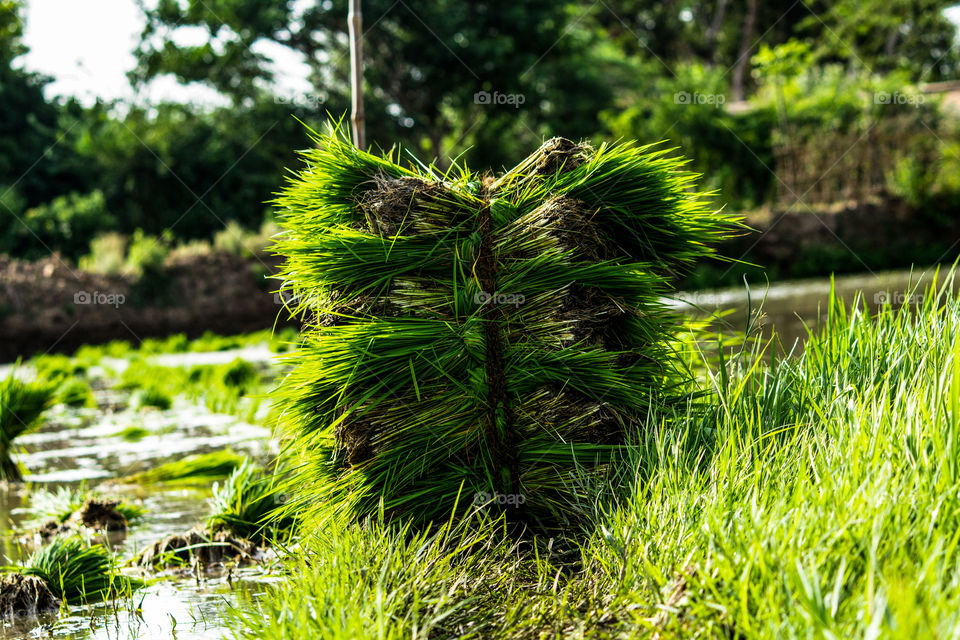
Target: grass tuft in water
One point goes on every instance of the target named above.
(21, 405)
(74, 571)
(247, 504)
(64, 502)
(202, 468)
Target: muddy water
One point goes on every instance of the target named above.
(84, 446)
(791, 307)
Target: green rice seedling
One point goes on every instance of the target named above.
(57, 367)
(239, 374)
(374, 580)
(21, 405)
(478, 337)
(62, 503)
(73, 571)
(201, 468)
(151, 396)
(247, 504)
(132, 433)
(75, 393)
(232, 388)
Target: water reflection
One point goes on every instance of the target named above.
(791, 307)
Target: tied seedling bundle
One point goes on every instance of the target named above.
(479, 340)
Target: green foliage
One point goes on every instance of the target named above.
(147, 253)
(393, 408)
(229, 388)
(238, 241)
(375, 580)
(108, 254)
(29, 132)
(75, 393)
(414, 98)
(57, 367)
(21, 405)
(151, 396)
(183, 169)
(247, 505)
(66, 223)
(913, 36)
(733, 150)
(239, 373)
(73, 571)
(200, 469)
(133, 433)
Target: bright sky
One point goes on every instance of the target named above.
(87, 47)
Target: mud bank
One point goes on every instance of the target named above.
(51, 306)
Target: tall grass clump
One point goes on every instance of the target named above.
(21, 405)
(247, 504)
(199, 468)
(59, 505)
(74, 571)
(481, 339)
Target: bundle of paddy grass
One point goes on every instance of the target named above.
(473, 340)
(22, 404)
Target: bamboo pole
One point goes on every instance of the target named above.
(355, 20)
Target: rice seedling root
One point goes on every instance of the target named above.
(22, 595)
(200, 547)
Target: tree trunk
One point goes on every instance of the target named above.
(746, 45)
(355, 21)
(714, 30)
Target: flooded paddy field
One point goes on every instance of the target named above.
(105, 445)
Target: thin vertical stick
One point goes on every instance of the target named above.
(355, 20)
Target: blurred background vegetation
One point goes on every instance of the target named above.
(760, 96)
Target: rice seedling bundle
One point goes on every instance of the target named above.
(21, 406)
(479, 340)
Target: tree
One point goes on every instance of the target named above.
(29, 154)
(887, 35)
(425, 72)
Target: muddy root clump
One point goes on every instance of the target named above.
(201, 547)
(22, 595)
(399, 203)
(99, 515)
